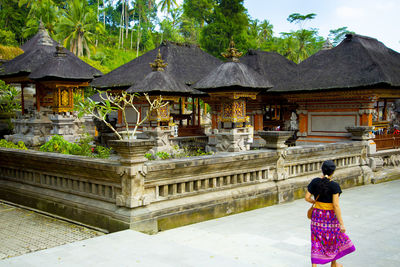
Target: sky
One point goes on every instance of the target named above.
(374, 18)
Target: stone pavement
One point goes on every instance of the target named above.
(23, 231)
(272, 236)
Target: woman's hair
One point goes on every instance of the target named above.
(328, 167)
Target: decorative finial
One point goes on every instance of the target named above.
(158, 64)
(41, 25)
(44, 38)
(60, 51)
(232, 53)
(327, 45)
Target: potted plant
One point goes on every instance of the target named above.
(127, 146)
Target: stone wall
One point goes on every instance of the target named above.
(175, 192)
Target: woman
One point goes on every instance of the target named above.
(328, 239)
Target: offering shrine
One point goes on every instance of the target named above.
(55, 73)
(230, 86)
(186, 65)
(160, 83)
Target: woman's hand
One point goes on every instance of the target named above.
(342, 229)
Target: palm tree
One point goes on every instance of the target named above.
(44, 10)
(140, 12)
(77, 27)
(166, 6)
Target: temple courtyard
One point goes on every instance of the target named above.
(273, 236)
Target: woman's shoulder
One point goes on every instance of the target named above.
(315, 181)
(335, 186)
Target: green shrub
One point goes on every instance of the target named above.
(178, 153)
(7, 144)
(103, 152)
(83, 147)
(57, 144)
(149, 156)
(162, 155)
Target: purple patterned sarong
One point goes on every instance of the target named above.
(327, 242)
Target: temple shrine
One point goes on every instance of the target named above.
(341, 89)
(160, 83)
(56, 74)
(230, 86)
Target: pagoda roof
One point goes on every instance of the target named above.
(357, 62)
(163, 83)
(65, 66)
(274, 66)
(186, 63)
(232, 75)
(27, 62)
(39, 58)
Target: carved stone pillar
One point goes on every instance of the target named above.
(132, 171)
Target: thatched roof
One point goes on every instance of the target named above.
(161, 82)
(186, 63)
(65, 66)
(357, 62)
(27, 62)
(232, 74)
(40, 58)
(275, 67)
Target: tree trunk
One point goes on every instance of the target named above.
(126, 20)
(104, 13)
(119, 36)
(132, 38)
(138, 37)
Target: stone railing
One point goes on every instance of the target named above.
(157, 195)
(193, 176)
(73, 175)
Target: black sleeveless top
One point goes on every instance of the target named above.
(334, 188)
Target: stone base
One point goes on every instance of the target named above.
(36, 129)
(230, 140)
(161, 136)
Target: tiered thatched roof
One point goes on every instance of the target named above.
(357, 62)
(64, 66)
(160, 82)
(272, 65)
(39, 59)
(186, 63)
(232, 75)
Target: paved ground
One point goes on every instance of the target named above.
(272, 236)
(24, 231)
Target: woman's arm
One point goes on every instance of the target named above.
(336, 208)
(308, 198)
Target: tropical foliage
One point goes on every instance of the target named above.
(110, 33)
(9, 101)
(6, 144)
(57, 144)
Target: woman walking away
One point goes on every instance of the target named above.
(328, 239)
